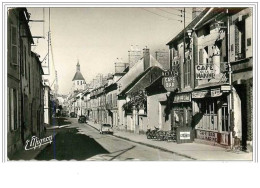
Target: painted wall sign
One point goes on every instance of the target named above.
(215, 92)
(207, 135)
(200, 94)
(205, 72)
(184, 97)
(184, 135)
(170, 83)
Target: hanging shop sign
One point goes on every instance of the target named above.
(183, 97)
(170, 83)
(199, 94)
(207, 135)
(215, 92)
(205, 72)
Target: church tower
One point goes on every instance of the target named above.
(78, 80)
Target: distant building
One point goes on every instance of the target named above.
(79, 83)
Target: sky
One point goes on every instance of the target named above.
(96, 37)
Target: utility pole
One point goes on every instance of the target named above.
(184, 36)
(229, 80)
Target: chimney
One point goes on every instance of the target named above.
(162, 56)
(134, 54)
(196, 11)
(146, 56)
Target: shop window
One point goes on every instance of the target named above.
(208, 107)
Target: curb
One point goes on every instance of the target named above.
(149, 145)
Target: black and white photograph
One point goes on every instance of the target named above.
(129, 83)
(129, 94)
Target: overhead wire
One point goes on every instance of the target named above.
(161, 15)
(172, 13)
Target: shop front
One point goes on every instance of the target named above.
(181, 110)
(211, 115)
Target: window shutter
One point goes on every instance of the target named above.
(12, 109)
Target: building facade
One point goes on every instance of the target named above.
(25, 88)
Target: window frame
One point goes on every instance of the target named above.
(13, 27)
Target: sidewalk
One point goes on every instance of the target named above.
(194, 151)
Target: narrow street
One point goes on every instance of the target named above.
(82, 142)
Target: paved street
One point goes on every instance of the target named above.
(82, 142)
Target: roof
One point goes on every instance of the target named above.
(206, 15)
(136, 72)
(78, 76)
(190, 26)
(139, 80)
(156, 87)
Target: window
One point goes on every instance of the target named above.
(240, 39)
(248, 42)
(14, 45)
(12, 109)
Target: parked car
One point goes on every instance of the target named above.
(73, 115)
(106, 128)
(82, 119)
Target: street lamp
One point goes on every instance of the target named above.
(189, 32)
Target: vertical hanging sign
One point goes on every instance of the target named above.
(169, 80)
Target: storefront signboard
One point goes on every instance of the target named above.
(204, 72)
(199, 94)
(207, 135)
(170, 83)
(215, 92)
(225, 88)
(184, 97)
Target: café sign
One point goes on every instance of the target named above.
(205, 72)
(170, 83)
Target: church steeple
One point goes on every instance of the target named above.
(78, 75)
(78, 66)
